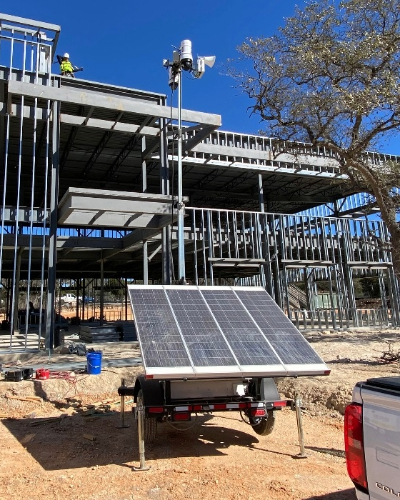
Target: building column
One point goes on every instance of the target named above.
(55, 172)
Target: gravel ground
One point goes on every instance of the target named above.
(55, 446)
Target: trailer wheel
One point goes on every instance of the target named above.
(150, 423)
(150, 429)
(265, 425)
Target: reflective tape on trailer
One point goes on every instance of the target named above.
(242, 405)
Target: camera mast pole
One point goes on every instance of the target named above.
(183, 60)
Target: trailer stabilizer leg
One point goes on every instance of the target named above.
(297, 405)
(123, 423)
(140, 418)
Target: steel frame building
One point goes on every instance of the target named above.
(88, 172)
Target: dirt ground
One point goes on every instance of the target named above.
(67, 441)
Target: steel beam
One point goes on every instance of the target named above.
(30, 22)
(129, 147)
(266, 155)
(68, 145)
(69, 95)
(97, 152)
(272, 168)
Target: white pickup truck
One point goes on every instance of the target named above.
(372, 438)
(69, 299)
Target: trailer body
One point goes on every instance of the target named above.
(179, 400)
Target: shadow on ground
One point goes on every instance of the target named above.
(338, 495)
(328, 451)
(76, 441)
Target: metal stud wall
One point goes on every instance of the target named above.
(278, 251)
(26, 51)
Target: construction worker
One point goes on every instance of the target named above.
(66, 67)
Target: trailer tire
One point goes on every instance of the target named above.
(150, 429)
(265, 425)
(150, 423)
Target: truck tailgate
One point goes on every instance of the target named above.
(381, 421)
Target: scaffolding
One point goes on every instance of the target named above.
(88, 178)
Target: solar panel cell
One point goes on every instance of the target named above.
(287, 341)
(159, 336)
(248, 343)
(203, 338)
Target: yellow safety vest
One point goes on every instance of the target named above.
(66, 67)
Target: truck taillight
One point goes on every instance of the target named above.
(354, 445)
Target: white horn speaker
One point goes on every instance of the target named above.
(209, 61)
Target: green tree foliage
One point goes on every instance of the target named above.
(331, 77)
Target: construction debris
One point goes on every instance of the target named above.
(89, 437)
(50, 420)
(26, 439)
(36, 399)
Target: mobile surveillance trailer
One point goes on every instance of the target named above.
(210, 349)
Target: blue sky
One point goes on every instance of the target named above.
(124, 43)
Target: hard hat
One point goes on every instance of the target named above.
(66, 55)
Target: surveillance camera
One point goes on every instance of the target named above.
(186, 55)
(173, 79)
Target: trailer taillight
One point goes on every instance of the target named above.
(181, 416)
(155, 409)
(354, 445)
(257, 412)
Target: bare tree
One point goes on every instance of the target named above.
(331, 77)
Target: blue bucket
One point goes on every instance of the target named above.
(93, 363)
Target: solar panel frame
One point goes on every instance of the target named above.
(202, 329)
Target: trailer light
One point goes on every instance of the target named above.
(149, 376)
(181, 416)
(327, 372)
(156, 409)
(257, 412)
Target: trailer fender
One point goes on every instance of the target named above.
(153, 391)
(268, 390)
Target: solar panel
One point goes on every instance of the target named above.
(208, 332)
